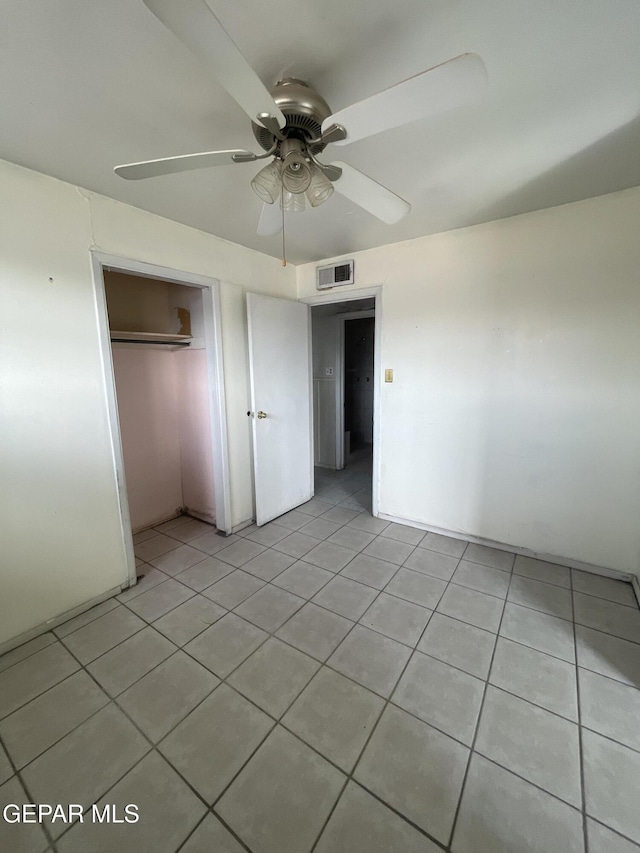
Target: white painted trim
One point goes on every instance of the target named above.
(215, 368)
(350, 296)
(517, 549)
(32, 633)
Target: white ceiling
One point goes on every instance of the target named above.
(88, 85)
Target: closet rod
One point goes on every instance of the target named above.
(155, 343)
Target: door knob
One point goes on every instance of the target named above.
(261, 415)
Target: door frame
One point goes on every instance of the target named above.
(210, 288)
(352, 295)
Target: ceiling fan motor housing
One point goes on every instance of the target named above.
(304, 110)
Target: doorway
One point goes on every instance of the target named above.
(161, 347)
(344, 399)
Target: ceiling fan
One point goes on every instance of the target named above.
(293, 124)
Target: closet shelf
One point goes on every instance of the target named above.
(150, 338)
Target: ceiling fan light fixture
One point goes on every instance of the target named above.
(267, 184)
(319, 189)
(292, 202)
(296, 171)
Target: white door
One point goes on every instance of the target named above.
(279, 362)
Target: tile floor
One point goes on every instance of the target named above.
(335, 683)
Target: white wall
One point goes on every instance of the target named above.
(61, 538)
(515, 405)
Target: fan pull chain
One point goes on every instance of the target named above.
(284, 254)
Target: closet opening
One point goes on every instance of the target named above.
(163, 366)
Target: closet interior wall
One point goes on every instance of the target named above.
(163, 399)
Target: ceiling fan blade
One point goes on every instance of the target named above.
(370, 195)
(452, 84)
(193, 22)
(182, 163)
(270, 220)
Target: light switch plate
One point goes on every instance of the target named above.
(388, 375)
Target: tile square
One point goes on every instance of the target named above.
(6, 770)
(536, 677)
(416, 769)
(90, 615)
(293, 520)
(161, 599)
(123, 666)
(370, 571)
(296, 545)
(416, 587)
(213, 542)
(104, 633)
(32, 676)
(608, 655)
(609, 708)
(335, 717)
(205, 573)
(19, 837)
(493, 557)
(372, 660)
(501, 813)
(603, 840)
(37, 726)
(188, 620)
(404, 533)
(233, 589)
(365, 521)
(346, 597)
(223, 646)
(319, 528)
(303, 579)
(362, 824)
(442, 696)
(444, 544)
(281, 799)
(214, 741)
(330, 556)
(620, 592)
(351, 538)
(167, 694)
(482, 578)
(147, 577)
(431, 563)
(541, 570)
(611, 773)
(168, 811)
(268, 565)
(541, 596)
(82, 766)
(191, 530)
(475, 608)
(240, 552)
(340, 514)
(315, 631)
(212, 837)
(537, 745)
(314, 507)
(176, 561)
(539, 630)
(26, 650)
(388, 549)
(155, 546)
(268, 534)
(464, 646)
(396, 618)
(269, 608)
(166, 526)
(615, 619)
(273, 676)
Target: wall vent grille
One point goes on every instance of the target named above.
(333, 275)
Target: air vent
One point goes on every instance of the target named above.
(333, 275)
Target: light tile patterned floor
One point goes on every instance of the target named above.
(376, 689)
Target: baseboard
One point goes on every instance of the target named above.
(8, 645)
(525, 552)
